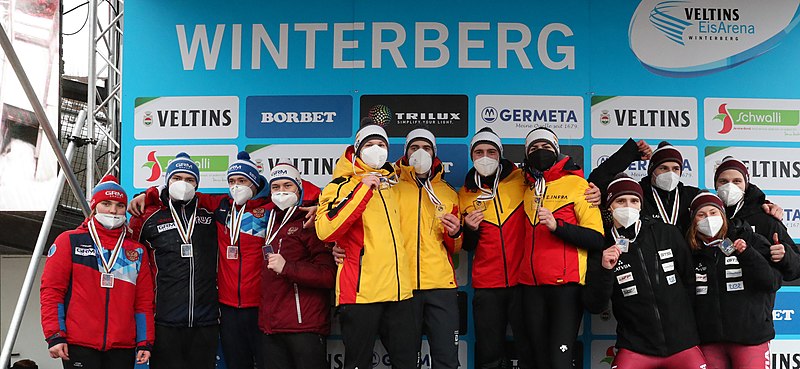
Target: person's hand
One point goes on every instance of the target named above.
(276, 262)
(740, 245)
(338, 254)
(451, 224)
(546, 217)
(59, 351)
(777, 251)
(611, 256)
(311, 215)
(644, 149)
(142, 357)
(774, 210)
(473, 219)
(136, 206)
(592, 194)
(372, 181)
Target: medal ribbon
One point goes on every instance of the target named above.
(271, 223)
(107, 264)
(636, 230)
(487, 195)
(663, 211)
(426, 184)
(184, 232)
(235, 224)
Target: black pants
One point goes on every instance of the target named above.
(294, 351)
(240, 337)
(436, 315)
(552, 318)
(392, 320)
(493, 310)
(87, 358)
(179, 348)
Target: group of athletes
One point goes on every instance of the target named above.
(691, 276)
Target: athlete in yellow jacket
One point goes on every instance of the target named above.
(431, 227)
(359, 211)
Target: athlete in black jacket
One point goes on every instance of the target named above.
(735, 290)
(649, 284)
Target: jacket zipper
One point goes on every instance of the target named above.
(533, 239)
(297, 304)
(360, 263)
(105, 326)
(419, 221)
(655, 304)
(394, 243)
(720, 283)
(502, 239)
(191, 274)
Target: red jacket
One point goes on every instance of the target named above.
(299, 299)
(77, 311)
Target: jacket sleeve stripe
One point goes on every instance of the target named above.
(331, 226)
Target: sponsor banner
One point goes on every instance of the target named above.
(513, 116)
(638, 169)
(770, 168)
(454, 160)
(516, 153)
(602, 354)
(752, 119)
(784, 317)
(663, 118)
(696, 37)
(299, 116)
(444, 115)
(785, 354)
(791, 213)
(150, 163)
(186, 117)
(380, 358)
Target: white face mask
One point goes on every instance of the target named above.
(241, 194)
(486, 166)
(283, 200)
(710, 226)
(110, 221)
(421, 161)
(667, 181)
(730, 193)
(181, 191)
(374, 156)
(626, 216)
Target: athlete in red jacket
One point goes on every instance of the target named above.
(97, 291)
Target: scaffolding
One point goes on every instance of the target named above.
(102, 117)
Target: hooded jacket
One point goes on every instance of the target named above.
(76, 310)
(735, 294)
(298, 299)
(767, 226)
(428, 246)
(619, 162)
(186, 287)
(366, 224)
(498, 241)
(559, 257)
(649, 289)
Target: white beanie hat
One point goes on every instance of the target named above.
(542, 134)
(421, 134)
(369, 132)
(486, 135)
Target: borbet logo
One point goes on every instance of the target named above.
(652, 118)
(194, 118)
(298, 117)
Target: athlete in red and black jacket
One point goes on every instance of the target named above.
(297, 279)
(185, 269)
(97, 290)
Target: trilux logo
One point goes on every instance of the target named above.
(755, 117)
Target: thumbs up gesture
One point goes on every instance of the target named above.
(776, 251)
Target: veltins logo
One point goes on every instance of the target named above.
(513, 116)
(652, 117)
(299, 116)
(212, 160)
(186, 117)
(752, 119)
(695, 37)
(771, 168)
(443, 115)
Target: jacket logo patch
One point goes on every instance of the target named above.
(664, 254)
(51, 251)
(258, 212)
(132, 255)
(165, 227)
(701, 277)
(555, 197)
(624, 278)
(292, 230)
(733, 273)
(203, 220)
(668, 267)
(731, 260)
(630, 291)
(84, 251)
(735, 286)
(671, 279)
(701, 290)
(621, 266)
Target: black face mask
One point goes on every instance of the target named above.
(542, 159)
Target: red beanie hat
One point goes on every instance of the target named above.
(623, 185)
(663, 154)
(108, 189)
(706, 198)
(729, 162)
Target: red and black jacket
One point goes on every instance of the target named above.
(77, 311)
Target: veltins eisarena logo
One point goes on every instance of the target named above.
(752, 119)
(380, 115)
(690, 38)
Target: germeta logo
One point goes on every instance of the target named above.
(751, 118)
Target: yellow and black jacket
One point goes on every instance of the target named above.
(428, 246)
(559, 257)
(498, 242)
(366, 224)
